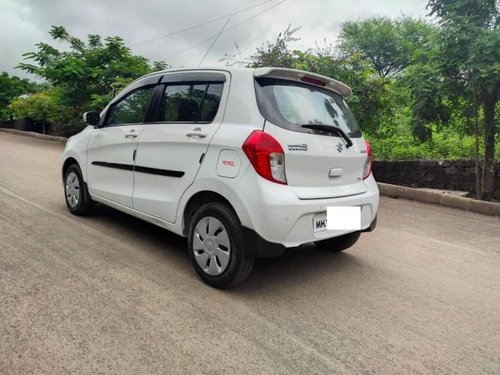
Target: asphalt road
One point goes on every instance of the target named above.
(111, 294)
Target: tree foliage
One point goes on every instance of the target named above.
(469, 59)
(277, 53)
(41, 106)
(10, 88)
(89, 72)
(388, 45)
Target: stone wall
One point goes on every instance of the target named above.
(437, 174)
(60, 130)
(22, 124)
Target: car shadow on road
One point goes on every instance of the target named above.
(298, 266)
(136, 231)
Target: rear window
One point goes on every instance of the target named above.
(190, 102)
(291, 104)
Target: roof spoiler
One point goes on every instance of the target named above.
(303, 76)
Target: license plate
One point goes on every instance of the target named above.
(319, 222)
(338, 218)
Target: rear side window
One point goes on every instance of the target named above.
(190, 102)
(132, 108)
(291, 104)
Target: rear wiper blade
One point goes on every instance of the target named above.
(330, 129)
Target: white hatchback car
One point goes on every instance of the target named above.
(244, 162)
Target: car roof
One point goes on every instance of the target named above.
(271, 72)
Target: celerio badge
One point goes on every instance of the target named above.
(298, 147)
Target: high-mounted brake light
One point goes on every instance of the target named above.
(266, 156)
(368, 168)
(313, 81)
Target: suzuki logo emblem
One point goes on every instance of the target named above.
(340, 147)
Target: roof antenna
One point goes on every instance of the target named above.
(211, 45)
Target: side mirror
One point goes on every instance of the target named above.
(91, 118)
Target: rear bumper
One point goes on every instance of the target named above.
(265, 249)
(259, 247)
(279, 217)
(372, 226)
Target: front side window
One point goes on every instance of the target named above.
(190, 102)
(292, 105)
(131, 109)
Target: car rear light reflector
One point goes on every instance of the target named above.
(368, 168)
(266, 156)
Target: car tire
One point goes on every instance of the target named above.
(217, 247)
(76, 194)
(340, 243)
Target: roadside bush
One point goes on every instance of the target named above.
(443, 145)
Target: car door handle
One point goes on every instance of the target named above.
(196, 134)
(130, 136)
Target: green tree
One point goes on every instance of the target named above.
(470, 58)
(10, 88)
(87, 74)
(277, 53)
(428, 96)
(42, 106)
(389, 45)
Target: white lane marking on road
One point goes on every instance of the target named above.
(7, 220)
(44, 209)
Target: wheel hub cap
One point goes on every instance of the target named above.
(211, 246)
(72, 189)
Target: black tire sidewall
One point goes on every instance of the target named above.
(239, 259)
(83, 205)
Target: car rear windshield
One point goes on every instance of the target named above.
(291, 105)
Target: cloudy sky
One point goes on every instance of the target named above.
(141, 23)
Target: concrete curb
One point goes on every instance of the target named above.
(442, 199)
(52, 138)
